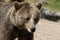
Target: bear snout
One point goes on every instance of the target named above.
(33, 30)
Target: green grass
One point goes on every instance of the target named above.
(53, 4)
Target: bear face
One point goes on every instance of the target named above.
(24, 16)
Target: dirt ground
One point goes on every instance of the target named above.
(47, 30)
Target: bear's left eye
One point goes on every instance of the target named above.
(28, 19)
(36, 19)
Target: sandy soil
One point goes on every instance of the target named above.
(47, 30)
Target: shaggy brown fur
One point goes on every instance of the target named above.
(18, 20)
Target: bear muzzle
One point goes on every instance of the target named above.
(33, 30)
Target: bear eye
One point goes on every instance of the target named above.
(36, 19)
(28, 19)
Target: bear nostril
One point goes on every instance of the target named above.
(33, 30)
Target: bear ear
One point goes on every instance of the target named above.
(39, 5)
(16, 5)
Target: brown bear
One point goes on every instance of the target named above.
(18, 20)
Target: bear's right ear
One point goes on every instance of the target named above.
(38, 5)
(16, 5)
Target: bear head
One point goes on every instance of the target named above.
(25, 15)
